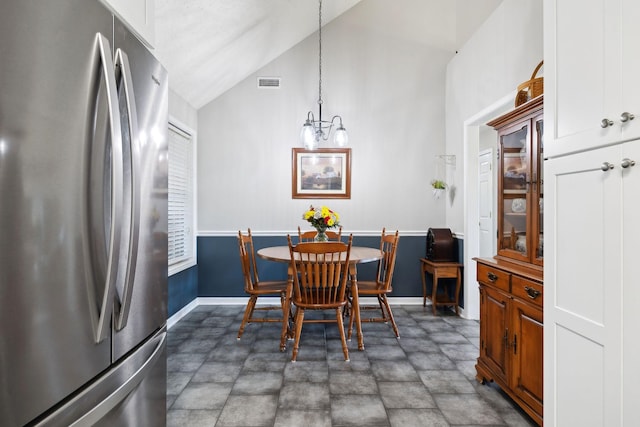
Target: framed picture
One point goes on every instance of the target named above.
(321, 174)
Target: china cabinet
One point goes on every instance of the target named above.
(520, 183)
(511, 283)
(511, 332)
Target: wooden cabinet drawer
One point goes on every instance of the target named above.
(527, 290)
(493, 277)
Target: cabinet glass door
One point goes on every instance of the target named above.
(539, 199)
(515, 180)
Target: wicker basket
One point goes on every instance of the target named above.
(530, 89)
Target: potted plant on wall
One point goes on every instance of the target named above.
(438, 186)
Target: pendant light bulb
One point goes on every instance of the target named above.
(307, 136)
(340, 136)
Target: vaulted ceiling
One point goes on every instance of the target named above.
(208, 46)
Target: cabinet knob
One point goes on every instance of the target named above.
(606, 166)
(605, 123)
(492, 277)
(626, 162)
(625, 117)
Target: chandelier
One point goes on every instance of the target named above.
(315, 130)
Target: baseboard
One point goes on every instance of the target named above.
(275, 300)
(271, 301)
(181, 313)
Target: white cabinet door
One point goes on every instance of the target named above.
(139, 15)
(583, 286)
(591, 73)
(630, 62)
(592, 287)
(631, 284)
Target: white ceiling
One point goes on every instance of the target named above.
(208, 46)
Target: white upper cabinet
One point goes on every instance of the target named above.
(139, 15)
(592, 89)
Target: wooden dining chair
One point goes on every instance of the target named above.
(334, 235)
(320, 273)
(257, 288)
(308, 236)
(380, 287)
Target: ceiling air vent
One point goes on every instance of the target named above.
(269, 82)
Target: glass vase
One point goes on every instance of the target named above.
(321, 236)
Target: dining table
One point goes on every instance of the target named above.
(358, 255)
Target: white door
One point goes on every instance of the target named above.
(487, 233)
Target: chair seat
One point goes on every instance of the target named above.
(372, 288)
(268, 287)
(319, 306)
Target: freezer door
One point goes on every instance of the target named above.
(141, 306)
(54, 127)
(130, 393)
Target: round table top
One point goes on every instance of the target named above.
(359, 254)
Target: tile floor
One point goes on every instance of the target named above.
(427, 378)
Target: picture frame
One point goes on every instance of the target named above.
(324, 173)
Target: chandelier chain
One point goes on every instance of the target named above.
(320, 52)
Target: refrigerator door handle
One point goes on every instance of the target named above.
(101, 320)
(125, 290)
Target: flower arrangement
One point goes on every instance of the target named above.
(322, 218)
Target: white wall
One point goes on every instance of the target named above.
(501, 54)
(481, 84)
(386, 81)
(182, 111)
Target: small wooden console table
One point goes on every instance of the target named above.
(440, 270)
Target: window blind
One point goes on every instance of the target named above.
(180, 198)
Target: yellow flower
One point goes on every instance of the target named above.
(321, 218)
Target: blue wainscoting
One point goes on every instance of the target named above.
(183, 288)
(218, 273)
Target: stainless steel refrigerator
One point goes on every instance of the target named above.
(83, 219)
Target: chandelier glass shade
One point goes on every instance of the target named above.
(313, 131)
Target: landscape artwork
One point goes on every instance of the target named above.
(321, 173)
